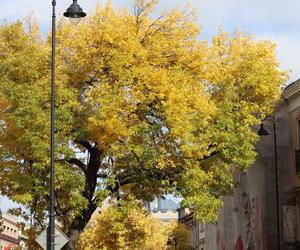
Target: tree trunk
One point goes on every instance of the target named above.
(78, 226)
(79, 222)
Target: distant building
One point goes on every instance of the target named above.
(10, 235)
(196, 229)
(164, 209)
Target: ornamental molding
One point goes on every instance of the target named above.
(9, 238)
(292, 90)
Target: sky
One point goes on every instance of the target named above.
(278, 20)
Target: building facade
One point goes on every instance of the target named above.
(9, 237)
(248, 220)
(292, 97)
(197, 230)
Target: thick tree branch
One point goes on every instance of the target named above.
(103, 176)
(212, 154)
(84, 143)
(78, 163)
(127, 180)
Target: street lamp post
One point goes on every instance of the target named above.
(75, 13)
(263, 132)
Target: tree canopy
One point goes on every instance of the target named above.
(144, 107)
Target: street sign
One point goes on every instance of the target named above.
(60, 239)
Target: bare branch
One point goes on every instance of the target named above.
(148, 31)
(139, 10)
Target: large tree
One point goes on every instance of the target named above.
(143, 107)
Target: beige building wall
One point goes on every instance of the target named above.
(165, 216)
(10, 234)
(292, 97)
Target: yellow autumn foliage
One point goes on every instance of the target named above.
(126, 226)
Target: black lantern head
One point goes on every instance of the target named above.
(75, 13)
(262, 131)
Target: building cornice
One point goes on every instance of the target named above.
(9, 238)
(292, 90)
(10, 219)
(187, 218)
